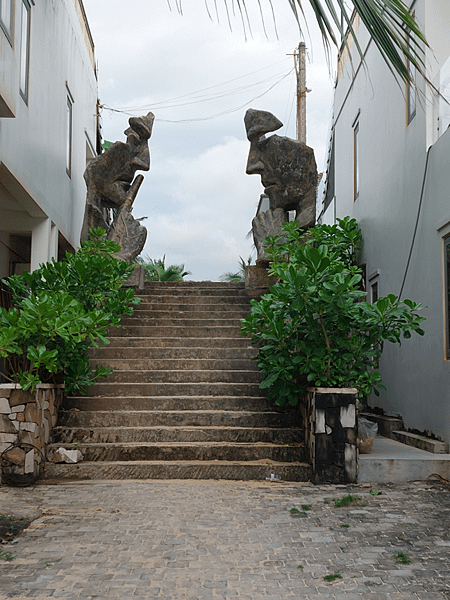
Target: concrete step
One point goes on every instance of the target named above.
(183, 376)
(174, 321)
(149, 312)
(174, 332)
(242, 355)
(168, 403)
(180, 364)
(140, 341)
(241, 471)
(215, 300)
(194, 285)
(187, 418)
(189, 451)
(175, 389)
(391, 461)
(421, 442)
(110, 435)
(199, 292)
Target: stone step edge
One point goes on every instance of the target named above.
(238, 413)
(165, 398)
(174, 428)
(421, 442)
(226, 470)
(194, 444)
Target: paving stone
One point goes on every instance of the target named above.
(226, 540)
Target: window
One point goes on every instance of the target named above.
(356, 159)
(6, 17)
(447, 294)
(24, 49)
(69, 127)
(374, 292)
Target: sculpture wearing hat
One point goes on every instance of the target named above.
(111, 184)
(288, 173)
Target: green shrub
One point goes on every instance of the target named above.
(312, 328)
(59, 311)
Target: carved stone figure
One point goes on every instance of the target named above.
(288, 173)
(109, 180)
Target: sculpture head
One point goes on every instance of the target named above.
(287, 167)
(109, 177)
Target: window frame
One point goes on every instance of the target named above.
(69, 131)
(446, 257)
(356, 158)
(25, 36)
(7, 29)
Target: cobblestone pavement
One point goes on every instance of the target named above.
(215, 540)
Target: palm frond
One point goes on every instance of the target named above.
(390, 23)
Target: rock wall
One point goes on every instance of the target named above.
(26, 420)
(331, 424)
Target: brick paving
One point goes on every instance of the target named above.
(219, 540)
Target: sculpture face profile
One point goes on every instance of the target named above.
(111, 183)
(287, 167)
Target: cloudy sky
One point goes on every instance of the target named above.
(199, 78)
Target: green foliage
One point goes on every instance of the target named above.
(402, 558)
(312, 328)
(347, 500)
(155, 270)
(239, 276)
(62, 309)
(332, 577)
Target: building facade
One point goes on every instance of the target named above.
(389, 167)
(48, 128)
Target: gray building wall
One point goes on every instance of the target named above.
(391, 162)
(38, 198)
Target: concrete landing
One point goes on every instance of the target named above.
(392, 461)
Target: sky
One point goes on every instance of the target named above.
(199, 77)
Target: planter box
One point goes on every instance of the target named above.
(331, 423)
(26, 420)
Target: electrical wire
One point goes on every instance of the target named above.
(226, 112)
(140, 108)
(417, 221)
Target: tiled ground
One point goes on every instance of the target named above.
(215, 540)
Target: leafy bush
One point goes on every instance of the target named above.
(155, 270)
(59, 311)
(312, 328)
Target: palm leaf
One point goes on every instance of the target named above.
(389, 22)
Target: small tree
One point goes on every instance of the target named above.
(313, 328)
(62, 309)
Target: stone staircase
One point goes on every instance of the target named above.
(183, 401)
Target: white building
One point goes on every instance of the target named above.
(390, 169)
(48, 128)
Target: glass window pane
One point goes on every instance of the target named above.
(69, 136)
(24, 48)
(6, 17)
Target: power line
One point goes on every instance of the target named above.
(231, 110)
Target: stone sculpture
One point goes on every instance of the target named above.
(111, 184)
(288, 173)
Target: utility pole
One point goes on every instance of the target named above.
(300, 72)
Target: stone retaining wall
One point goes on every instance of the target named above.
(331, 428)
(27, 418)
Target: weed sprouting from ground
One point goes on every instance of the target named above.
(402, 558)
(332, 577)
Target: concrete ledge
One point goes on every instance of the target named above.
(393, 462)
(418, 441)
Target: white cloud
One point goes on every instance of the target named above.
(197, 197)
